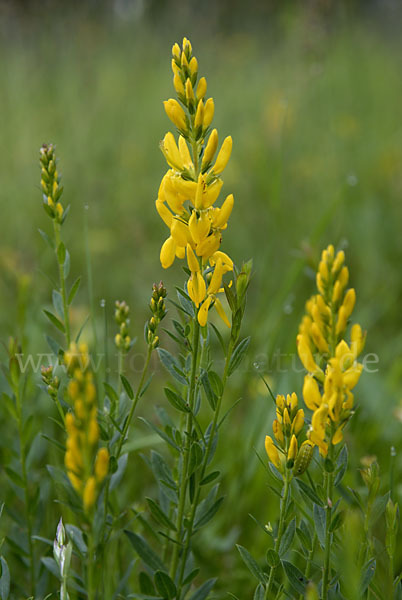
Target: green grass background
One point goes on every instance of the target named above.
(312, 100)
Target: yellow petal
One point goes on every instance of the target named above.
(168, 253)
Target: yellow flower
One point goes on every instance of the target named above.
(272, 452)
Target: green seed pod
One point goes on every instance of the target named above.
(303, 458)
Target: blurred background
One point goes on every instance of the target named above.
(311, 94)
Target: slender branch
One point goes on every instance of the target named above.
(278, 539)
(328, 535)
(186, 456)
(57, 239)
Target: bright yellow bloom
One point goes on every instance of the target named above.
(292, 452)
(272, 452)
(223, 156)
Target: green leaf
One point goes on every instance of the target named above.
(337, 521)
(61, 253)
(209, 393)
(118, 474)
(159, 515)
(77, 537)
(172, 366)
(66, 267)
(341, 465)
(74, 290)
(368, 572)
(309, 492)
(51, 565)
(127, 387)
(296, 578)
(216, 383)
(204, 590)
(145, 552)
(287, 538)
(15, 477)
(273, 559)
(54, 320)
(47, 239)
(305, 540)
(81, 330)
(219, 336)
(319, 521)
(210, 477)
(176, 401)
(238, 355)
(53, 345)
(259, 592)
(251, 564)
(205, 517)
(111, 393)
(378, 508)
(146, 585)
(196, 456)
(165, 585)
(5, 398)
(191, 576)
(58, 303)
(4, 579)
(161, 433)
(185, 302)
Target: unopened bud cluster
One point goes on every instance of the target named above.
(158, 310)
(50, 183)
(51, 381)
(87, 465)
(62, 550)
(284, 452)
(333, 370)
(121, 314)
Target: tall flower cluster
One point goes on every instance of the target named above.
(287, 427)
(331, 362)
(190, 188)
(50, 183)
(87, 465)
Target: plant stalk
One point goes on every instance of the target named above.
(57, 239)
(284, 502)
(328, 535)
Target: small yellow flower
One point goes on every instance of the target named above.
(272, 452)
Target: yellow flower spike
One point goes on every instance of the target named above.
(176, 114)
(358, 339)
(306, 355)
(185, 153)
(75, 481)
(298, 422)
(199, 226)
(70, 423)
(292, 401)
(171, 151)
(192, 261)
(199, 115)
(286, 418)
(223, 156)
(183, 187)
(93, 433)
(272, 452)
(210, 149)
(227, 263)
(187, 47)
(193, 65)
(168, 253)
(184, 61)
(280, 403)
(216, 279)
(278, 431)
(164, 213)
(175, 68)
(210, 245)
(318, 338)
(311, 393)
(349, 301)
(338, 262)
(320, 284)
(101, 464)
(293, 448)
(221, 218)
(201, 88)
(352, 376)
(221, 312)
(178, 84)
(176, 51)
(323, 270)
(179, 232)
(89, 495)
(208, 112)
(198, 203)
(343, 277)
(196, 287)
(344, 354)
(342, 321)
(203, 311)
(337, 292)
(189, 92)
(338, 436)
(211, 193)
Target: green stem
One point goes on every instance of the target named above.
(57, 239)
(26, 491)
(120, 371)
(90, 567)
(125, 431)
(204, 466)
(328, 535)
(186, 455)
(284, 502)
(309, 562)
